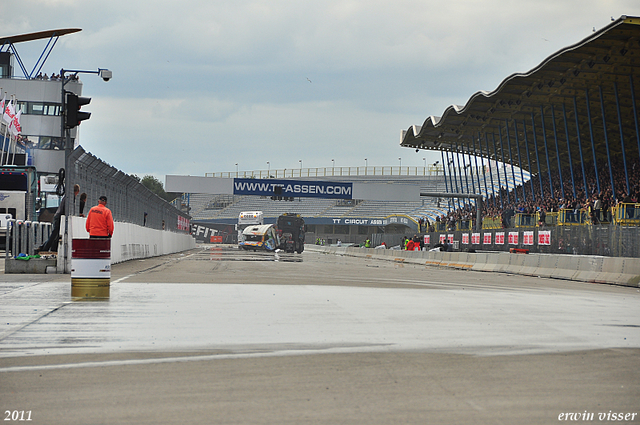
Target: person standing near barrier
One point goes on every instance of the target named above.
(51, 245)
(100, 220)
(83, 201)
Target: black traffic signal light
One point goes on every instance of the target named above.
(73, 115)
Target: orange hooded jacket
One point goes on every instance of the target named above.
(100, 221)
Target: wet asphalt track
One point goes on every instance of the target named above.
(241, 337)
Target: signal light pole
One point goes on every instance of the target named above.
(71, 116)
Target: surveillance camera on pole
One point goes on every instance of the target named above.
(105, 74)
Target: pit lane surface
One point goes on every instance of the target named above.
(242, 337)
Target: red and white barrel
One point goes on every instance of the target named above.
(90, 268)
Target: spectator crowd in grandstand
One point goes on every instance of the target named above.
(529, 198)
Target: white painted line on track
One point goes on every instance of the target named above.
(185, 359)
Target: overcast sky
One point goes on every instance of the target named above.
(200, 85)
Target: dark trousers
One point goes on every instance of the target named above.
(54, 237)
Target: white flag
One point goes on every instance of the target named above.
(15, 127)
(9, 113)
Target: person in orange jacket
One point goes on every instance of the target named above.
(100, 220)
(410, 245)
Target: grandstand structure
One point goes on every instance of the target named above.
(572, 121)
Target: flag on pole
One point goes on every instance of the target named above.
(15, 127)
(9, 113)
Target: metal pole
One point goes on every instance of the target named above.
(624, 157)
(535, 145)
(484, 175)
(606, 141)
(635, 111)
(515, 129)
(455, 178)
(593, 143)
(513, 173)
(566, 133)
(473, 186)
(493, 187)
(493, 136)
(546, 150)
(526, 143)
(444, 173)
(584, 176)
(504, 165)
(464, 170)
(66, 136)
(555, 137)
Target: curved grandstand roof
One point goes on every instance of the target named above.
(561, 94)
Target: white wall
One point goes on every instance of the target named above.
(131, 241)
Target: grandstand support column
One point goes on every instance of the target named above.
(555, 138)
(526, 146)
(566, 133)
(635, 112)
(535, 146)
(451, 176)
(546, 150)
(515, 129)
(493, 187)
(463, 170)
(584, 174)
(504, 165)
(444, 173)
(606, 142)
(624, 157)
(513, 173)
(475, 155)
(484, 175)
(493, 136)
(455, 178)
(470, 167)
(456, 170)
(593, 143)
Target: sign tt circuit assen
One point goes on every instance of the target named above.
(293, 188)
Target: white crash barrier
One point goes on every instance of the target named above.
(585, 268)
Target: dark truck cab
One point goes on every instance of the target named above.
(290, 228)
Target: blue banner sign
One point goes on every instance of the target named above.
(293, 188)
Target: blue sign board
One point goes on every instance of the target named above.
(293, 188)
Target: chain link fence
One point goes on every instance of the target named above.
(128, 200)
